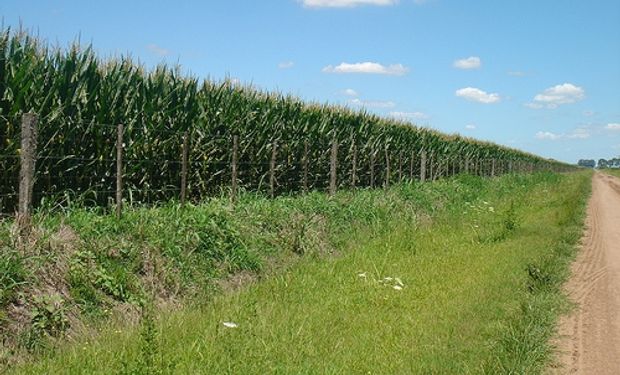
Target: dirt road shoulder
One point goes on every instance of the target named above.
(589, 338)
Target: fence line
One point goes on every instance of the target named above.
(287, 169)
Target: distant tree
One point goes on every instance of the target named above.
(588, 163)
(602, 164)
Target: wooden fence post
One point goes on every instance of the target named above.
(333, 165)
(272, 169)
(493, 167)
(387, 168)
(235, 161)
(184, 168)
(305, 166)
(423, 166)
(411, 161)
(442, 167)
(119, 170)
(28, 156)
(354, 167)
(400, 167)
(372, 168)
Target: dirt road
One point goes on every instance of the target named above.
(589, 340)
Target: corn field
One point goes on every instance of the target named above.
(80, 99)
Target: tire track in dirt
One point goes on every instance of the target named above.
(589, 338)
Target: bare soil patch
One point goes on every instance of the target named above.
(589, 338)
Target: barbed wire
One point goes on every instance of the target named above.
(215, 168)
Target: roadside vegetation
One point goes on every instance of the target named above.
(613, 172)
(462, 275)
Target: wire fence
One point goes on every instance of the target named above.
(158, 165)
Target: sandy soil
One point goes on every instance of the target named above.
(589, 339)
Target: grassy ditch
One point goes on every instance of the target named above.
(83, 267)
(458, 276)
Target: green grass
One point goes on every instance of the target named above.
(481, 263)
(613, 172)
(83, 266)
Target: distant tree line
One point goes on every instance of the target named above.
(602, 163)
(587, 163)
(611, 163)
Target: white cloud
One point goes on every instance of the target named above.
(555, 96)
(613, 126)
(372, 103)
(516, 73)
(159, 51)
(470, 126)
(350, 92)
(547, 135)
(579, 133)
(477, 95)
(472, 62)
(286, 65)
(534, 105)
(409, 115)
(367, 68)
(345, 3)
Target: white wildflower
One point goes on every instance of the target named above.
(397, 287)
(230, 325)
(362, 275)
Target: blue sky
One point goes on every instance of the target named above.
(542, 76)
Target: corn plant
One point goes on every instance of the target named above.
(80, 99)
